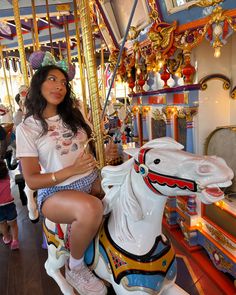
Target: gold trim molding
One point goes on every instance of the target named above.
(233, 93)
(221, 239)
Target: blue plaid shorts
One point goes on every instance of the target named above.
(83, 184)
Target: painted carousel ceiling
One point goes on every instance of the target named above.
(56, 18)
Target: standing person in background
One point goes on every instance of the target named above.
(17, 119)
(20, 100)
(53, 134)
(8, 214)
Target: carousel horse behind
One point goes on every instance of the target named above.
(130, 251)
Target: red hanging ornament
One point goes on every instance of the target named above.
(165, 76)
(188, 70)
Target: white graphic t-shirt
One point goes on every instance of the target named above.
(56, 150)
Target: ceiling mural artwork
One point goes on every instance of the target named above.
(161, 36)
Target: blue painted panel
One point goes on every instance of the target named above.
(192, 14)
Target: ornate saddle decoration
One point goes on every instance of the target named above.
(135, 271)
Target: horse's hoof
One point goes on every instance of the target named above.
(34, 220)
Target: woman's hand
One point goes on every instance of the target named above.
(111, 151)
(84, 163)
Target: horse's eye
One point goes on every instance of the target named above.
(157, 161)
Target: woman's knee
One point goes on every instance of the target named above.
(92, 211)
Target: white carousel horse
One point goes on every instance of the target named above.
(130, 251)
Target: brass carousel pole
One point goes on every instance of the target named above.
(5, 76)
(35, 26)
(103, 74)
(81, 67)
(67, 39)
(20, 41)
(49, 27)
(60, 52)
(10, 97)
(88, 47)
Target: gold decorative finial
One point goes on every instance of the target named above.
(206, 3)
(154, 15)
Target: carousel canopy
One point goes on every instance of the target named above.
(109, 19)
(55, 20)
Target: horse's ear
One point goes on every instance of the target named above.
(164, 142)
(131, 151)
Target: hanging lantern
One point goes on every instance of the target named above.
(19, 66)
(14, 65)
(7, 65)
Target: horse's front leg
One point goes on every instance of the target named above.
(53, 265)
(174, 290)
(31, 204)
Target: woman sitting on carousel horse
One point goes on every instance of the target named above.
(53, 134)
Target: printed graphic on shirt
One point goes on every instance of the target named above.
(65, 140)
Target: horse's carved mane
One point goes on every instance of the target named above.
(120, 198)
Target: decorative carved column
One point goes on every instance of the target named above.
(145, 112)
(169, 111)
(192, 205)
(135, 112)
(140, 127)
(189, 112)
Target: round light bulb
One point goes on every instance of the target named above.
(217, 52)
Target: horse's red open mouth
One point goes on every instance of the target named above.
(214, 191)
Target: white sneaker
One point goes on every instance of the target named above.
(84, 281)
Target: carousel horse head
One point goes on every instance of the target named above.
(130, 251)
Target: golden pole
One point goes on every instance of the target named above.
(81, 67)
(35, 26)
(5, 76)
(67, 39)
(32, 34)
(88, 47)
(49, 27)
(10, 80)
(20, 41)
(60, 53)
(102, 74)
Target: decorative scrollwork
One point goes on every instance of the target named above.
(220, 237)
(233, 93)
(204, 80)
(206, 3)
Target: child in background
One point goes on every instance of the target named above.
(8, 212)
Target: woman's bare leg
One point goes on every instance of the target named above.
(84, 213)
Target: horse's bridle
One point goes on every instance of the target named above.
(150, 177)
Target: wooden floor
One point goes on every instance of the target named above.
(22, 272)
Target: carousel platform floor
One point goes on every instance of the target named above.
(22, 272)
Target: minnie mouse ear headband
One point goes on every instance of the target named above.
(40, 59)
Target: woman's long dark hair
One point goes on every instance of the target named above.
(35, 103)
